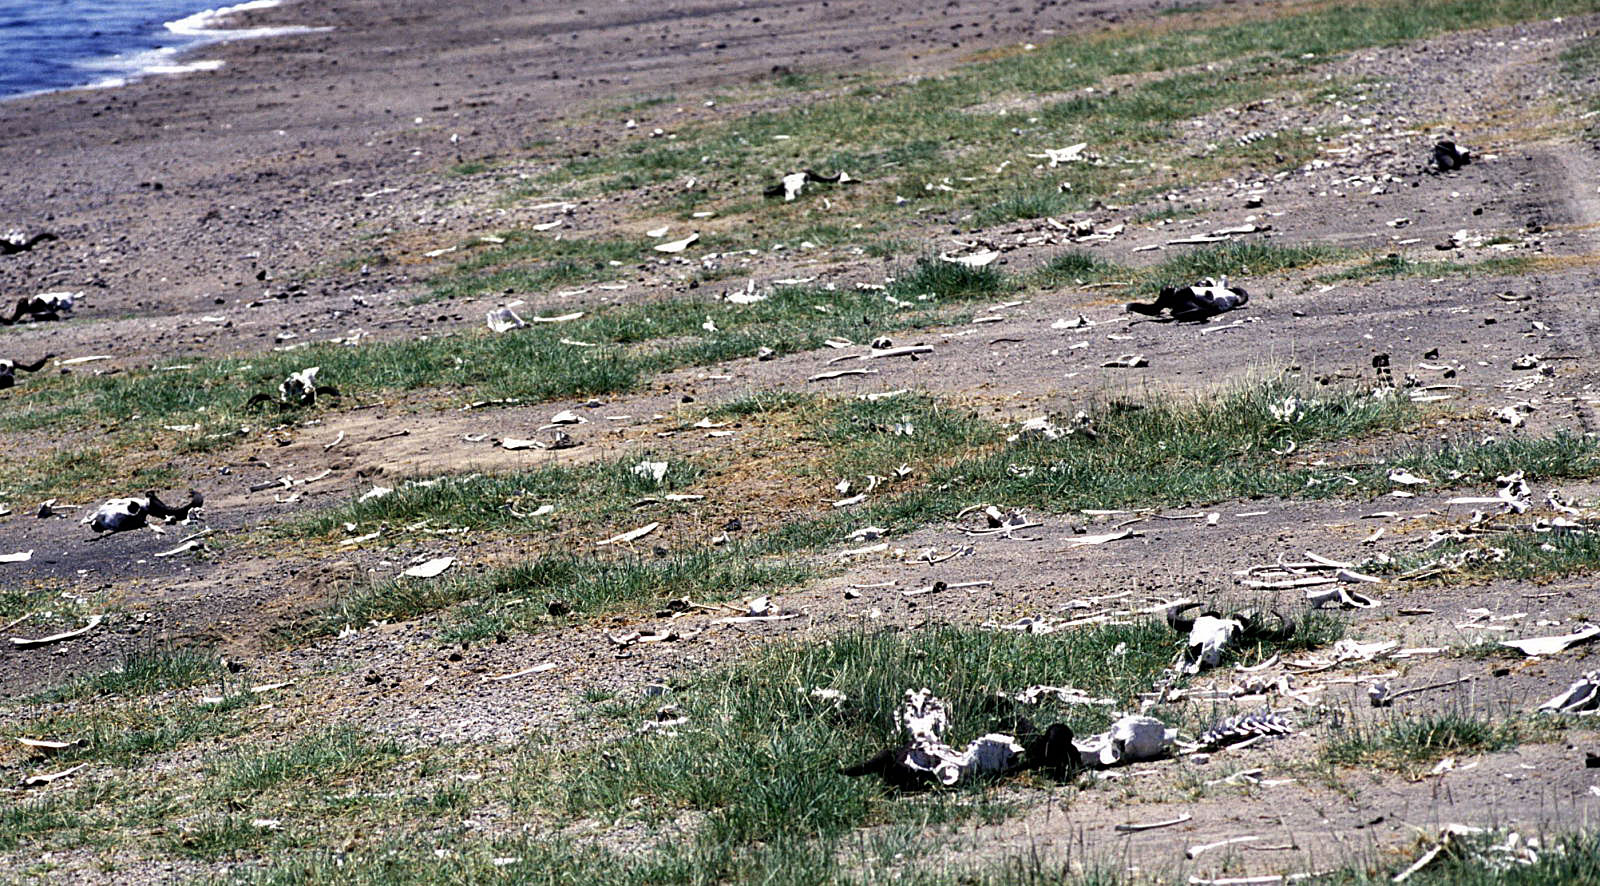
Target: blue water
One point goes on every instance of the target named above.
(58, 44)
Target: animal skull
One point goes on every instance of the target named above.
(300, 388)
(1210, 633)
(1129, 740)
(925, 718)
(119, 515)
(1209, 636)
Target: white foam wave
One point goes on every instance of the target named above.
(128, 65)
(199, 29)
(211, 24)
(204, 64)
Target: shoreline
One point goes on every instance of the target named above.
(162, 50)
(177, 197)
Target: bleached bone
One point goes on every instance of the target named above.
(1346, 598)
(300, 388)
(1058, 156)
(1582, 697)
(431, 569)
(25, 643)
(1553, 645)
(125, 514)
(1130, 739)
(1240, 728)
(654, 471)
(1180, 818)
(1063, 694)
(504, 320)
(677, 245)
(39, 781)
(925, 719)
(631, 535)
(1195, 851)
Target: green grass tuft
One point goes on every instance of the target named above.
(760, 755)
(517, 597)
(592, 492)
(321, 758)
(1409, 742)
(141, 673)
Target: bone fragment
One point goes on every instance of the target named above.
(1194, 851)
(39, 781)
(23, 643)
(1150, 826)
(1543, 645)
(840, 373)
(430, 569)
(630, 535)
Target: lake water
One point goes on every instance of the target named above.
(61, 44)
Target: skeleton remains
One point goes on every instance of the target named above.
(8, 369)
(41, 307)
(124, 514)
(1198, 302)
(300, 389)
(925, 760)
(1210, 633)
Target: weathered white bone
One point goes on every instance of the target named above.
(558, 318)
(1058, 156)
(976, 260)
(119, 515)
(1553, 645)
(924, 717)
(840, 373)
(654, 471)
(504, 320)
(91, 624)
(1180, 818)
(19, 557)
(1083, 540)
(1347, 599)
(793, 184)
(300, 388)
(903, 351)
(677, 245)
(182, 548)
(1207, 639)
(630, 535)
(47, 747)
(1195, 851)
(39, 781)
(1130, 739)
(1063, 694)
(430, 569)
(1582, 697)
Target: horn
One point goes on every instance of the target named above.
(161, 509)
(16, 312)
(1175, 619)
(36, 365)
(1285, 630)
(1255, 627)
